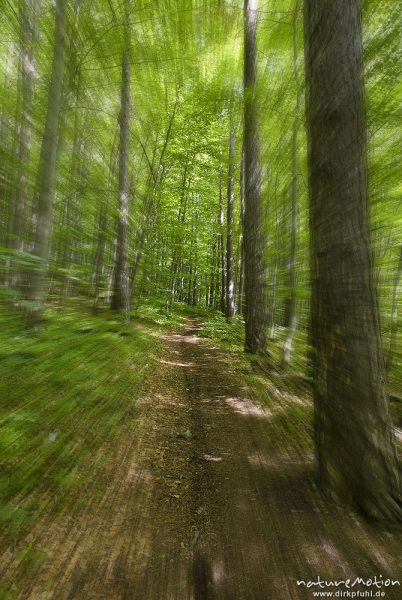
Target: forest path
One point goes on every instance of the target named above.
(202, 502)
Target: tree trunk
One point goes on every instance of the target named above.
(121, 288)
(290, 301)
(100, 252)
(394, 312)
(254, 239)
(355, 447)
(230, 305)
(47, 164)
(222, 248)
(290, 277)
(212, 276)
(177, 249)
(28, 23)
(240, 287)
(156, 180)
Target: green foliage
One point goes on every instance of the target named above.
(221, 331)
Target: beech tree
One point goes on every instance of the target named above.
(47, 164)
(253, 240)
(354, 441)
(230, 305)
(121, 286)
(28, 38)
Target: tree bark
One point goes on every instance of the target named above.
(100, 252)
(230, 304)
(254, 239)
(47, 163)
(354, 442)
(240, 287)
(222, 248)
(394, 312)
(290, 301)
(121, 287)
(28, 36)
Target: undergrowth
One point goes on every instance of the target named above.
(65, 390)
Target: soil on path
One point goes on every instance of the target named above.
(203, 503)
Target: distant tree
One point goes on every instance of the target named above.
(355, 447)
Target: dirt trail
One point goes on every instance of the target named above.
(203, 504)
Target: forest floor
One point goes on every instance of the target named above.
(209, 495)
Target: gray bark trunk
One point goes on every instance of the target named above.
(222, 248)
(47, 164)
(254, 239)
(230, 303)
(290, 301)
(354, 441)
(28, 19)
(240, 287)
(121, 289)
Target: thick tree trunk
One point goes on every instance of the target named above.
(121, 288)
(230, 304)
(254, 239)
(47, 164)
(355, 447)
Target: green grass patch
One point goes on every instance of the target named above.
(65, 391)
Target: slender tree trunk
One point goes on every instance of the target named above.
(240, 290)
(156, 179)
(222, 248)
(195, 278)
(212, 275)
(272, 334)
(121, 288)
(47, 164)
(4, 173)
(290, 302)
(254, 239)
(230, 305)
(218, 292)
(28, 23)
(180, 220)
(355, 447)
(69, 241)
(100, 252)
